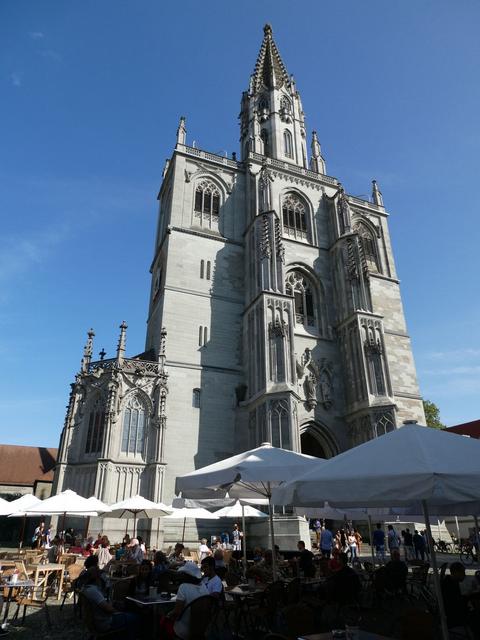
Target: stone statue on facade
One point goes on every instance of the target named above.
(265, 179)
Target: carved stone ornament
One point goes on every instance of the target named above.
(265, 179)
(265, 245)
(318, 380)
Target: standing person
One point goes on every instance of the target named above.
(392, 537)
(408, 544)
(38, 536)
(352, 546)
(203, 550)
(419, 545)
(378, 542)
(237, 536)
(359, 540)
(305, 560)
(326, 542)
(317, 527)
(343, 541)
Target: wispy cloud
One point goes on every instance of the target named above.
(16, 78)
(453, 371)
(454, 354)
(36, 35)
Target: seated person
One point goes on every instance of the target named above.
(142, 581)
(210, 578)
(160, 566)
(257, 554)
(105, 616)
(104, 555)
(305, 560)
(263, 570)
(121, 551)
(278, 555)
(56, 550)
(134, 551)
(176, 558)
(343, 586)
(219, 561)
(189, 590)
(203, 550)
(456, 605)
(396, 572)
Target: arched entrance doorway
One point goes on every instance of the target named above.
(316, 440)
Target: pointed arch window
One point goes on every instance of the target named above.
(279, 424)
(134, 427)
(294, 215)
(368, 244)
(288, 143)
(207, 205)
(96, 427)
(300, 289)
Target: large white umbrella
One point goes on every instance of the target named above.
(198, 513)
(98, 506)
(138, 507)
(413, 465)
(249, 474)
(18, 508)
(240, 510)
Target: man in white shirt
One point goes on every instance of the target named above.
(203, 549)
(135, 552)
(191, 589)
(210, 579)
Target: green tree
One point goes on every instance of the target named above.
(432, 415)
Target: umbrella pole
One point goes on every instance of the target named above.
(243, 541)
(272, 534)
(126, 526)
(183, 532)
(436, 577)
(87, 527)
(458, 529)
(22, 535)
(134, 523)
(63, 522)
(370, 533)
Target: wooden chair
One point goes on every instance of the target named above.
(72, 573)
(23, 574)
(88, 618)
(30, 598)
(201, 611)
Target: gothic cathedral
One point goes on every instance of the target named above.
(275, 315)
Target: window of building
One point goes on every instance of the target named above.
(202, 336)
(279, 425)
(209, 268)
(294, 214)
(196, 398)
(384, 423)
(202, 268)
(207, 205)
(96, 426)
(266, 145)
(300, 289)
(133, 434)
(287, 144)
(368, 244)
(157, 280)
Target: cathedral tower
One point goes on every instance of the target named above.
(275, 314)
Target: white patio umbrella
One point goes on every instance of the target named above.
(98, 506)
(18, 508)
(197, 513)
(240, 510)
(413, 465)
(65, 503)
(138, 507)
(249, 474)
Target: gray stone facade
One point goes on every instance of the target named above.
(275, 315)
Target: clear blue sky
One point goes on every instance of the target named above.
(91, 96)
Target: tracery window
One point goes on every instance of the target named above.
(369, 246)
(96, 426)
(133, 434)
(300, 289)
(294, 213)
(384, 423)
(287, 143)
(279, 424)
(207, 205)
(285, 104)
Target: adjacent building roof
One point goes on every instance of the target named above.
(471, 429)
(26, 465)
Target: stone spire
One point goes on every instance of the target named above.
(270, 72)
(87, 351)
(317, 163)
(181, 131)
(377, 197)
(122, 342)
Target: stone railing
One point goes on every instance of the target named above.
(363, 203)
(280, 164)
(198, 153)
(129, 364)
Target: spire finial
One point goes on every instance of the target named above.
(377, 197)
(317, 163)
(122, 341)
(102, 354)
(88, 351)
(267, 29)
(181, 131)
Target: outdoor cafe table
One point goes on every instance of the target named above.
(41, 573)
(10, 586)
